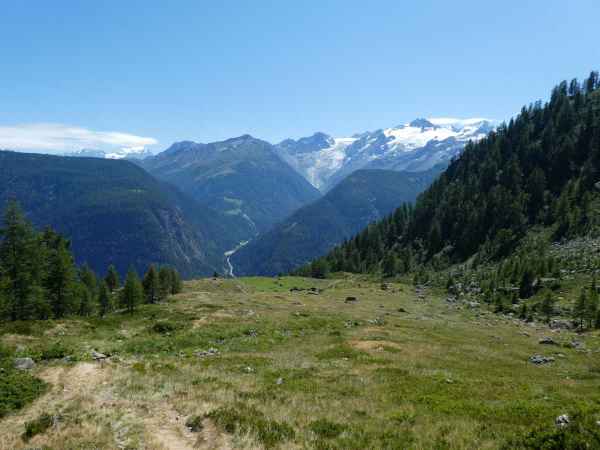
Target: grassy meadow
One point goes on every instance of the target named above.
(342, 363)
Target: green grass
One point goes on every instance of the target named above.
(305, 370)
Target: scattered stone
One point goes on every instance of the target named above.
(450, 299)
(279, 381)
(97, 355)
(385, 286)
(473, 304)
(562, 421)
(24, 363)
(248, 369)
(351, 323)
(67, 359)
(251, 333)
(539, 359)
(210, 352)
(548, 341)
(576, 344)
(561, 324)
(377, 321)
(350, 300)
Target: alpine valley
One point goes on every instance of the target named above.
(194, 205)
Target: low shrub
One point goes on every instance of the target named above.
(37, 426)
(326, 429)
(17, 389)
(164, 327)
(194, 423)
(242, 418)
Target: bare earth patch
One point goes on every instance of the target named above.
(374, 345)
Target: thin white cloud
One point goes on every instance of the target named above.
(60, 138)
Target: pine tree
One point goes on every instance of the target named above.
(21, 265)
(591, 307)
(133, 292)
(164, 283)
(104, 299)
(112, 279)
(85, 299)
(176, 284)
(548, 306)
(89, 279)
(60, 274)
(580, 308)
(390, 264)
(151, 285)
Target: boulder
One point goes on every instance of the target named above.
(561, 324)
(562, 421)
(539, 359)
(97, 355)
(24, 363)
(548, 341)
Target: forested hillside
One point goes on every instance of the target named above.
(540, 170)
(363, 197)
(113, 212)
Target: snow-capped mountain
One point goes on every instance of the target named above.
(124, 153)
(416, 146)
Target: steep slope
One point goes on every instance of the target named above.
(416, 146)
(242, 177)
(541, 170)
(363, 197)
(113, 211)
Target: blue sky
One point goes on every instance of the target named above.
(147, 73)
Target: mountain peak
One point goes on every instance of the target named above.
(318, 141)
(421, 123)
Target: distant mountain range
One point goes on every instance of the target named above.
(363, 197)
(416, 146)
(138, 153)
(193, 204)
(243, 177)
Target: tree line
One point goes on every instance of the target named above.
(40, 280)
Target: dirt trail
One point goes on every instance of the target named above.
(90, 381)
(66, 384)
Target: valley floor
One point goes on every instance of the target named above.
(300, 363)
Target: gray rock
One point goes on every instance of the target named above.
(562, 421)
(279, 381)
(539, 359)
(24, 363)
(548, 341)
(210, 352)
(576, 344)
(561, 324)
(473, 304)
(97, 355)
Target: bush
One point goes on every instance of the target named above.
(55, 351)
(37, 426)
(581, 433)
(246, 419)
(17, 389)
(194, 423)
(326, 429)
(163, 327)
